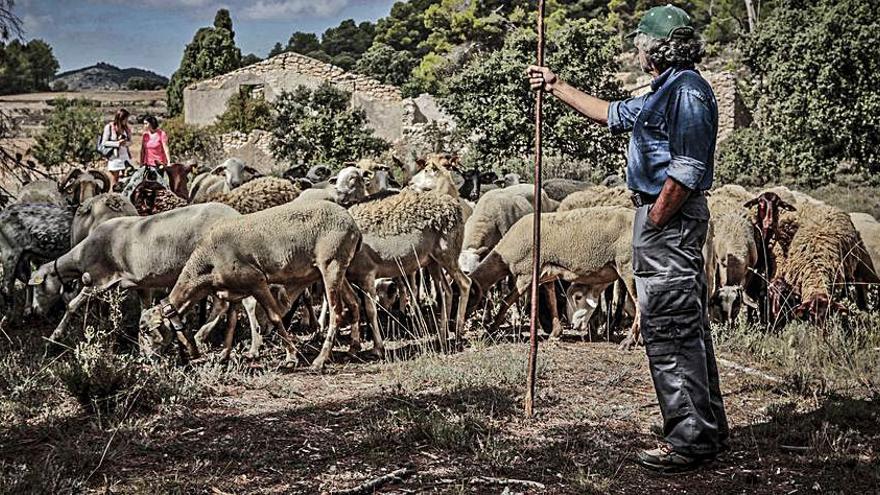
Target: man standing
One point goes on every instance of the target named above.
(669, 166)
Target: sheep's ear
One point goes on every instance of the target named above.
(252, 171)
(752, 202)
(421, 162)
(220, 170)
(332, 179)
(481, 250)
(303, 183)
(786, 206)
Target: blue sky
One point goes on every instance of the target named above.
(151, 34)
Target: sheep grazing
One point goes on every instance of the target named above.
(257, 195)
(406, 232)
(602, 255)
(559, 189)
(28, 233)
(824, 253)
(130, 252)
(79, 185)
(494, 214)
(293, 245)
(151, 197)
(226, 177)
(737, 252)
(97, 210)
(597, 196)
(348, 187)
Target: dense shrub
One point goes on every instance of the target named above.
(321, 125)
(818, 112)
(71, 134)
(244, 113)
(192, 142)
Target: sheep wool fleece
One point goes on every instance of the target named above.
(673, 300)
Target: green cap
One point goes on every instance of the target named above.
(665, 23)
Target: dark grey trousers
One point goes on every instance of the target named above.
(673, 300)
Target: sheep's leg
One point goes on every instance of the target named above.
(337, 290)
(72, 307)
(550, 290)
(264, 296)
(322, 319)
(369, 282)
(511, 298)
(231, 323)
(443, 288)
(250, 307)
(220, 308)
(635, 337)
(464, 289)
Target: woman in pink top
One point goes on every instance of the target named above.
(154, 151)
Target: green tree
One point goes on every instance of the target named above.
(404, 29)
(491, 101)
(386, 64)
(70, 135)
(186, 141)
(222, 20)
(303, 43)
(244, 113)
(320, 125)
(41, 64)
(250, 59)
(278, 49)
(818, 111)
(211, 53)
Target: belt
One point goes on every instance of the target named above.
(640, 199)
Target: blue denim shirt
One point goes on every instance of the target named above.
(674, 128)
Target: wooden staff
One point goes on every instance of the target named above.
(536, 236)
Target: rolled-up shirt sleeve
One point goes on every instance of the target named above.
(622, 114)
(692, 128)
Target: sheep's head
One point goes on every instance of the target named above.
(295, 172)
(81, 185)
(47, 287)
(378, 175)
(350, 185)
(236, 172)
(470, 258)
(729, 300)
(581, 304)
(387, 293)
(818, 307)
(435, 177)
(767, 218)
(154, 334)
(318, 173)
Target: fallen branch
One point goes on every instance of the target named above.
(486, 480)
(375, 483)
(749, 371)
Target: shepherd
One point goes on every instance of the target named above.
(669, 169)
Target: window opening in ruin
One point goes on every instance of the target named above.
(254, 91)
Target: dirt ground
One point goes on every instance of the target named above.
(448, 421)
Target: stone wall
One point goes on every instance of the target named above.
(254, 148)
(205, 100)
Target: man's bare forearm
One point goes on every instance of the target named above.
(594, 108)
(672, 196)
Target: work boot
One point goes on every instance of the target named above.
(657, 431)
(665, 460)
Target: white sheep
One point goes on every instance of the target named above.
(293, 245)
(97, 210)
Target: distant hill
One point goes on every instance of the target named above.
(109, 77)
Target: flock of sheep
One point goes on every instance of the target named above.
(270, 245)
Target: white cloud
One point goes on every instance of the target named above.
(250, 9)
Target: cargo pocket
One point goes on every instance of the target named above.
(669, 296)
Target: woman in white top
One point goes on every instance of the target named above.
(117, 135)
